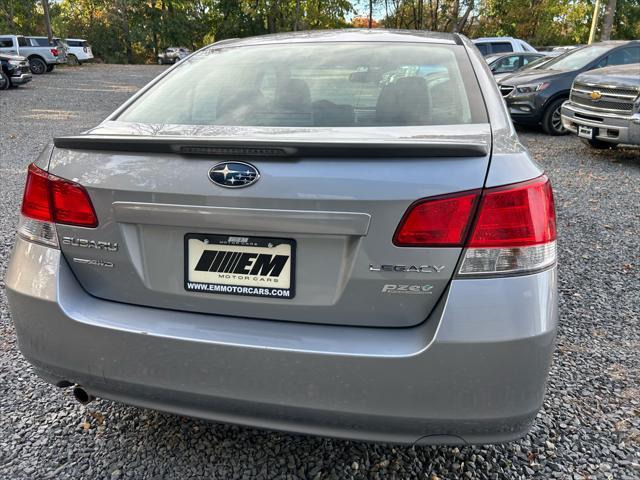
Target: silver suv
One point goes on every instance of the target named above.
(335, 233)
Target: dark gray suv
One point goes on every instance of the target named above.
(535, 97)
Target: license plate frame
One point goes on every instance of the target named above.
(222, 275)
(585, 132)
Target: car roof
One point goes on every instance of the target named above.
(511, 54)
(615, 43)
(76, 39)
(608, 43)
(347, 35)
(492, 39)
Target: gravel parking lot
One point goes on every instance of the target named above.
(589, 427)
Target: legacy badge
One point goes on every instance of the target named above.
(407, 268)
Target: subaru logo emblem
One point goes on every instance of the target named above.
(234, 174)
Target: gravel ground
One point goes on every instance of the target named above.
(589, 427)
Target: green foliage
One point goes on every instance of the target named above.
(22, 16)
(136, 30)
(626, 22)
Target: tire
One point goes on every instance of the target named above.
(37, 66)
(599, 144)
(5, 83)
(551, 119)
(50, 68)
(72, 60)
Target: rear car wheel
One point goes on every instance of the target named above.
(552, 120)
(72, 60)
(50, 68)
(4, 81)
(598, 144)
(37, 66)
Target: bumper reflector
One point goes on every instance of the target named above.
(38, 231)
(487, 261)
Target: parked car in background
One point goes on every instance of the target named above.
(565, 48)
(42, 58)
(510, 62)
(490, 45)
(389, 276)
(57, 43)
(604, 106)
(558, 49)
(15, 71)
(172, 55)
(533, 64)
(535, 97)
(79, 51)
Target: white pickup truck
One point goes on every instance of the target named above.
(42, 56)
(493, 45)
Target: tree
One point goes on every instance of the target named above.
(47, 20)
(363, 22)
(608, 20)
(135, 30)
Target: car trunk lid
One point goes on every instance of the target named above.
(331, 208)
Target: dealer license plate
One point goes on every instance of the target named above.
(238, 265)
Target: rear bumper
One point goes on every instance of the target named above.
(82, 56)
(608, 127)
(474, 372)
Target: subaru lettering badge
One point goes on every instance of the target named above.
(234, 174)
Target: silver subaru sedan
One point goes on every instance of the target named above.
(333, 233)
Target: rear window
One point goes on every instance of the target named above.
(317, 85)
(6, 43)
(501, 47)
(40, 42)
(483, 47)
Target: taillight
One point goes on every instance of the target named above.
(514, 230)
(516, 215)
(71, 204)
(437, 221)
(48, 200)
(54, 52)
(36, 202)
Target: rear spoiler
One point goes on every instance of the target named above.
(274, 148)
